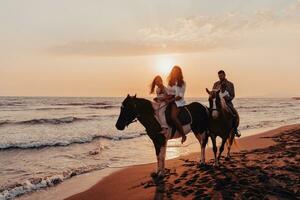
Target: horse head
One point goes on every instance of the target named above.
(214, 103)
(128, 112)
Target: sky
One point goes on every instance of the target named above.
(116, 47)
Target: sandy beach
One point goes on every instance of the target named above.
(263, 166)
(87, 87)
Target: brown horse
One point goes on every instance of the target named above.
(221, 124)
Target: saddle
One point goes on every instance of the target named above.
(184, 117)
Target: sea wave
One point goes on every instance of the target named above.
(11, 104)
(49, 108)
(81, 104)
(102, 107)
(268, 123)
(3, 122)
(34, 184)
(285, 105)
(54, 121)
(66, 142)
(62, 120)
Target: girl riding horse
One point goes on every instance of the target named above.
(176, 88)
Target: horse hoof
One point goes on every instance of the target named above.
(158, 179)
(154, 175)
(161, 174)
(202, 164)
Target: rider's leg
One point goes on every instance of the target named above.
(235, 118)
(162, 116)
(174, 117)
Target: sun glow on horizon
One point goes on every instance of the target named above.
(164, 65)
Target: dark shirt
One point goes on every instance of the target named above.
(229, 87)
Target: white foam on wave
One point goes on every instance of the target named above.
(66, 141)
(268, 123)
(63, 120)
(53, 121)
(32, 185)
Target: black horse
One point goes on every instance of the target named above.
(140, 109)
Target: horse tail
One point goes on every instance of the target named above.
(234, 142)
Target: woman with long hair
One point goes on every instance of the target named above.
(176, 87)
(161, 92)
(157, 86)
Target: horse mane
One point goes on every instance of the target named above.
(148, 119)
(224, 105)
(210, 103)
(221, 103)
(145, 106)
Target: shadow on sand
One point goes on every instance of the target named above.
(269, 173)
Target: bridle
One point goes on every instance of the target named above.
(127, 123)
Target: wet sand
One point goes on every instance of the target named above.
(263, 166)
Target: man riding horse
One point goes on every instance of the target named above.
(229, 87)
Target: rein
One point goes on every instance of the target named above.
(137, 115)
(133, 121)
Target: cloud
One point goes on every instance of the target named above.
(190, 34)
(210, 32)
(125, 48)
(293, 8)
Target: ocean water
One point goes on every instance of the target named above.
(46, 140)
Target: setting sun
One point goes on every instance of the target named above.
(164, 65)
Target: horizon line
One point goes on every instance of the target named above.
(142, 96)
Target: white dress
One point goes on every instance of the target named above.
(161, 94)
(177, 92)
(160, 107)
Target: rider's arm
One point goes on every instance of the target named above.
(231, 92)
(161, 95)
(216, 86)
(179, 92)
(166, 98)
(169, 98)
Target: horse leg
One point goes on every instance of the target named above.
(160, 149)
(161, 160)
(215, 149)
(203, 139)
(157, 146)
(230, 141)
(221, 148)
